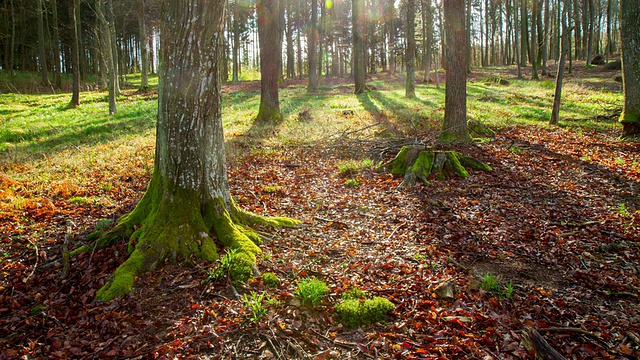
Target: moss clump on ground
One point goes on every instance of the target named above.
(270, 280)
(354, 312)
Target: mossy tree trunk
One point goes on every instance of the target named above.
(269, 33)
(454, 128)
(188, 200)
(630, 34)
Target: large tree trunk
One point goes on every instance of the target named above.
(75, 56)
(188, 200)
(534, 40)
(268, 36)
(410, 56)
(630, 36)
(454, 128)
(312, 48)
(144, 48)
(44, 71)
(358, 46)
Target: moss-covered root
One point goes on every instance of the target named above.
(479, 130)
(165, 235)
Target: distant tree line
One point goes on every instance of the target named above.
(316, 37)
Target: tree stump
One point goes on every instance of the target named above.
(417, 163)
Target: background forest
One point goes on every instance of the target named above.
(536, 258)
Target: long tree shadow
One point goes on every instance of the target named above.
(81, 130)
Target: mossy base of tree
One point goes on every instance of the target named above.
(268, 115)
(178, 226)
(630, 124)
(416, 163)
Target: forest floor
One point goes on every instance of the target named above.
(556, 223)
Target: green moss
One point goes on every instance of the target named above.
(354, 294)
(422, 166)
(630, 116)
(449, 137)
(122, 280)
(356, 312)
(474, 164)
(399, 163)
(453, 164)
(270, 280)
(241, 268)
(478, 129)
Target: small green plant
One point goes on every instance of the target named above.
(311, 291)
(419, 257)
(623, 210)
(254, 303)
(270, 280)
(356, 312)
(352, 182)
(492, 284)
(352, 167)
(233, 264)
(619, 161)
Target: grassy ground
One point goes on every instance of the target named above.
(552, 186)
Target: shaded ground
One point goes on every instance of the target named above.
(558, 218)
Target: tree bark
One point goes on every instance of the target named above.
(410, 56)
(269, 32)
(630, 39)
(188, 200)
(454, 128)
(358, 46)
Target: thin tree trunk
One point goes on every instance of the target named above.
(358, 46)
(42, 58)
(312, 47)
(534, 41)
(291, 71)
(592, 21)
(144, 47)
(555, 113)
(56, 47)
(114, 45)
(410, 55)
(609, 50)
(392, 37)
(75, 56)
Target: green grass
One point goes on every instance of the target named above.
(49, 144)
(311, 291)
